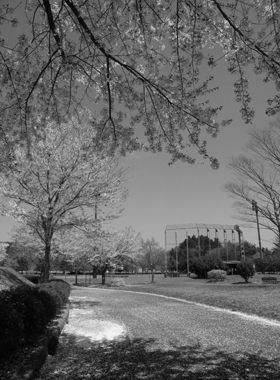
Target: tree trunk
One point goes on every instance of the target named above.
(153, 276)
(94, 272)
(47, 264)
(46, 224)
(103, 276)
(76, 276)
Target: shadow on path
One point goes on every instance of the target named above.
(127, 359)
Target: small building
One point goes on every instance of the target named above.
(232, 264)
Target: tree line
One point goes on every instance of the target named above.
(217, 256)
(147, 256)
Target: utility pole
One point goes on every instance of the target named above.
(256, 209)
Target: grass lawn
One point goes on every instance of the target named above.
(234, 294)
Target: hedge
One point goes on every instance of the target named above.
(25, 313)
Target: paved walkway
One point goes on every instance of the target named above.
(121, 335)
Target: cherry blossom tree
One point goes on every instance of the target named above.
(61, 184)
(27, 244)
(139, 62)
(103, 249)
(152, 256)
(3, 252)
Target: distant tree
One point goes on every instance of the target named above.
(182, 258)
(62, 263)
(257, 179)
(20, 257)
(245, 269)
(202, 265)
(193, 248)
(22, 264)
(114, 248)
(249, 248)
(269, 263)
(231, 251)
(25, 244)
(3, 252)
(60, 184)
(125, 264)
(152, 256)
(261, 265)
(103, 250)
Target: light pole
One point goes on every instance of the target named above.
(256, 209)
(176, 253)
(188, 259)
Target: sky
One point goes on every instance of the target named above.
(161, 195)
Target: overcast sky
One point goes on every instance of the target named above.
(161, 195)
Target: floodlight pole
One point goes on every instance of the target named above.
(165, 252)
(209, 242)
(225, 243)
(233, 241)
(217, 241)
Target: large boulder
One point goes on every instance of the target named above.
(9, 278)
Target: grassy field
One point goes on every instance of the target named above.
(234, 294)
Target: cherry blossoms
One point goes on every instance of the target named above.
(134, 63)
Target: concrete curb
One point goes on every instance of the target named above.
(47, 346)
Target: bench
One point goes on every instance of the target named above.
(269, 280)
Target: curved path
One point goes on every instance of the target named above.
(125, 335)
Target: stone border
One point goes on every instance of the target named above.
(47, 347)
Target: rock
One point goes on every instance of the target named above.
(9, 278)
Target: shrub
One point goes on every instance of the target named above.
(62, 287)
(11, 326)
(268, 264)
(245, 269)
(32, 308)
(261, 265)
(25, 312)
(49, 304)
(217, 275)
(117, 281)
(202, 265)
(22, 317)
(48, 288)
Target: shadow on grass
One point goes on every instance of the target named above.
(142, 359)
(250, 283)
(83, 304)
